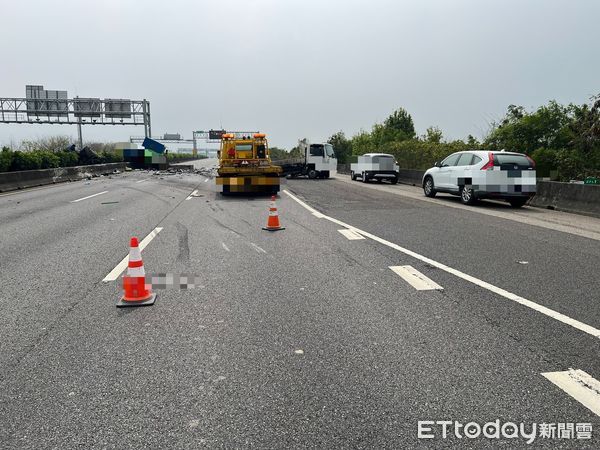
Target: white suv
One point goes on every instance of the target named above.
(482, 174)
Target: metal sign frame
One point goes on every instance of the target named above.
(15, 110)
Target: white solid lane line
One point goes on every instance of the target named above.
(141, 181)
(416, 279)
(490, 287)
(193, 194)
(579, 385)
(257, 248)
(89, 196)
(351, 235)
(118, 270)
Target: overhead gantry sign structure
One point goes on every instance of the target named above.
(53, 107)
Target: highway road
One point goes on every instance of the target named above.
(315, 336)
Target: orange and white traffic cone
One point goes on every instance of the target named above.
(136, 291)
(273, 221)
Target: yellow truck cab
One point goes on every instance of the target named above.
(245, 165)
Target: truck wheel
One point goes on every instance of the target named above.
(394, 180)
(312, 174)
(352, 175)
(325, 174)
(364, 177)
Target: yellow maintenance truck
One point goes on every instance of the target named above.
(245, 165)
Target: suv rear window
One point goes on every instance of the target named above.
(509, 161)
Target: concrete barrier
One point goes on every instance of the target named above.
(343, 168)
(10, 181)
(410, 176)
(178, 160)
(570, 197)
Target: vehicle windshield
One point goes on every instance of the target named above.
(329, 150)
(316, 150)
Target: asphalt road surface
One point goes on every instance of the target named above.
(300, 338)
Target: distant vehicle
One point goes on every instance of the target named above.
(245, 165)
(482, 174)
(317, 161)
(375, 166)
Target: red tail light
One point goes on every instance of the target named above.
(490, 164)
(531, 161)
(231, 153)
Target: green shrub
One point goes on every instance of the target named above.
(545, 161)
(5, 159)
(48, 160)
(26, 161)
(110, 157)
(67, 159)
(418, 154)
(571, 164)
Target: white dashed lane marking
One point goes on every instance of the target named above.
(351, 235)
(118, 270)
(416, 279)
(579, 385)
(89, 196)
(193, 194)
(476, 281)
(257, 248)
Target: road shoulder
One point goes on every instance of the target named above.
(575, 224)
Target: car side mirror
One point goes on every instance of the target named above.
(437, 164)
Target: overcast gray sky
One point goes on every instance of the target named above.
(301, 68)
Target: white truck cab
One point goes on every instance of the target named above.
(320, 159)
(317, 161)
